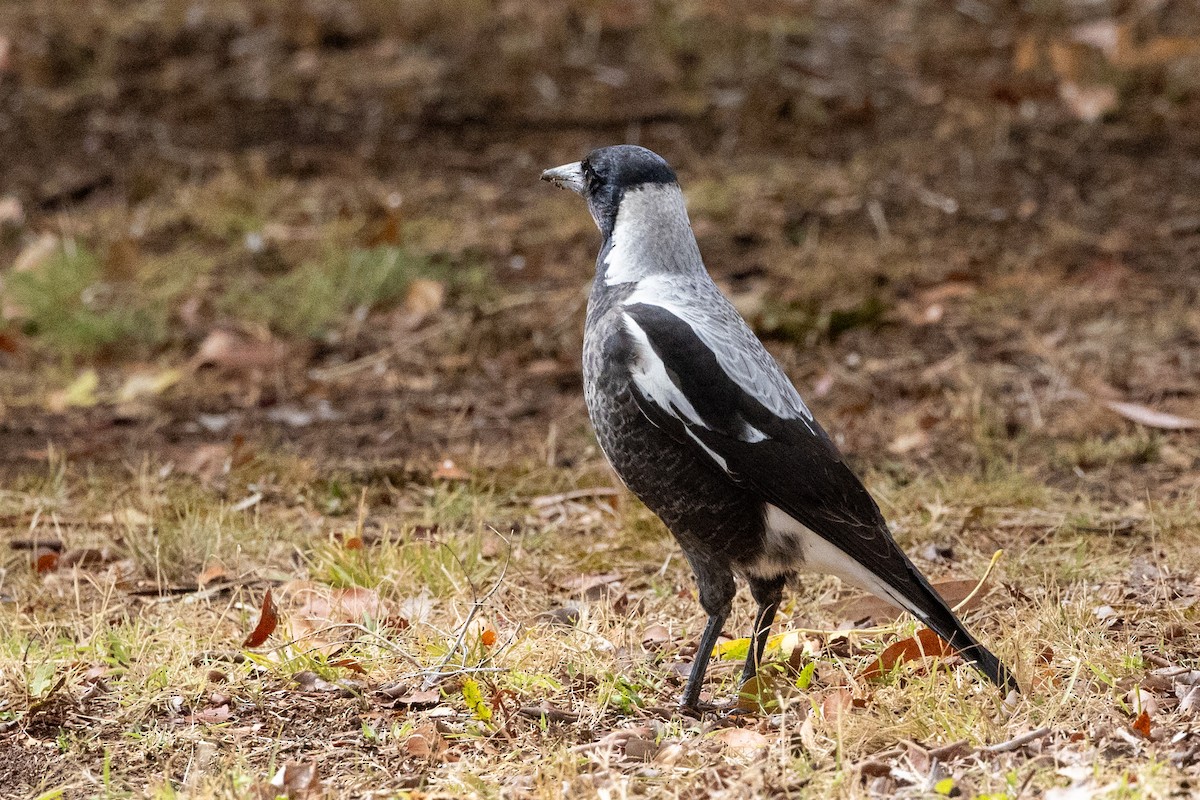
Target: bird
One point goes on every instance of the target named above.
(702, 424)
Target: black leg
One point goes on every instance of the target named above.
(768, 595)
(712, 631)
(716, 598)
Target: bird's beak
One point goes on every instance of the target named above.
(568, 176)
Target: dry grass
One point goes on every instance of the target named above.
(110, 692)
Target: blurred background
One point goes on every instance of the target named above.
(966, 228)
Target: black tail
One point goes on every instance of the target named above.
(937, 615)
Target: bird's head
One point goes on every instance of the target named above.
(606, 175)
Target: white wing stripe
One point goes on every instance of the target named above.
(650, 376)
(735, 346)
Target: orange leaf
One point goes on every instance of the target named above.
(268, 619)
(488, 637)
(1142, 725)
(210, 573)
(45, 560)
(925, 643)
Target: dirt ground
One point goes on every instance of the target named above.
(283, 305)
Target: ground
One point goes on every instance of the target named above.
(296, 481)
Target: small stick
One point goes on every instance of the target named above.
(987, 572)
(552, 714)
(1013, 744)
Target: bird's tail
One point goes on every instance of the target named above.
(933, 611)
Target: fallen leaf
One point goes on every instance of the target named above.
(926, 643)
(424, 297)
(742, 740)
(1088, 103)
(298, 780)
(45, 560)
(268, 620)
(1142, 725)
(234, 352)
(402, 695)
(654, 636)
(214, 715)
(907, 442)
(836, 703)
(80, 393)
(207, 461)
(1151, 418)
(210, 573)
(147, 384)
(449, 471)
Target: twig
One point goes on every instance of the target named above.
(986, 573)
(551, 714)
(477, 605)
(575, 494)
(1019, 741)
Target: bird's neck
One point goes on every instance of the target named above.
(650, 235)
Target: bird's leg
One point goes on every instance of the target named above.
(712, 631)
(716, 598)
(768, 594)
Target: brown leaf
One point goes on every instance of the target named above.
(268, 620)
(402, 695)
(743, 740)
(297, 779)
(424, 297)
(1088, 103)
(836, 703)
(230, 351)
(654, 636)
(925, 643)
(449, 471)
(45, 560)
(1142, 725)
(213, 715)
(210, 573)
(1151, 418)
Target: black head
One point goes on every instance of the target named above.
(603, 177)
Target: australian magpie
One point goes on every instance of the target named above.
(701, 423)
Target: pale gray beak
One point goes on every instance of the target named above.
(568, 176)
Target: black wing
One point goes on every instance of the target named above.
(789, 462)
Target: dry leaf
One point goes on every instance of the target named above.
(424, 297)
(147, 384)
(233, 352)
(1088, 103)
(210, 573)
(655, 635)
(45, 560)
(925, 643)
(1142, 725)
(298, 780)
(1151, 418)
(268, 620)
(743, 740)
(449, 471)
(836, 703)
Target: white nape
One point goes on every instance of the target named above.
(651, 234)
